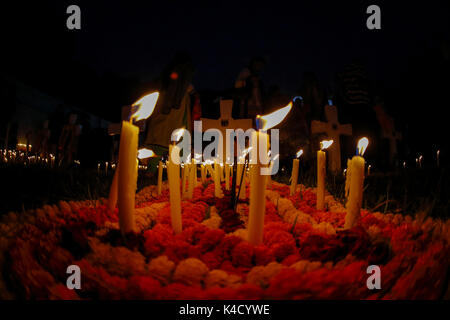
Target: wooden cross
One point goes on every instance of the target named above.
(334, 130)
(226, 122)
(388, 131)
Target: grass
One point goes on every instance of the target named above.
(405, 191)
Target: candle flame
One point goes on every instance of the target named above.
(272, 119)
(299, 153)
(362, 145)
(178, 133)
(145, 153)
(245, 152)
(325, 144)
(146, 106)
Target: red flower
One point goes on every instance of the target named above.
(210, 239)
(263, 255)
(143, 287)
(156, 239)
(242, 255)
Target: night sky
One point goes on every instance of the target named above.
(122, 46)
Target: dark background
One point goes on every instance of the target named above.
(123, 45)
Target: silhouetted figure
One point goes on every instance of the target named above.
(249, 90)
(42, 140)
(8, 98)
(68, 141)
(313, 97)
(174, 107)
(295, 133)
(354, 101)
(56, 123)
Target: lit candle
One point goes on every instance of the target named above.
(160, 175)
(437, 157)
(294, 176)
(217, 186)
(127, 176)
(192, 179)
(348, 174)
(209, 170)
(321, 172)
(356, 185)
(127, 171)
(227, 176)
(222, 172)
(258, 181)
(184, 174)
(241, 174)
(203, 173)
(198, 159)
(173, 174)
(113, 191)
(257, 197)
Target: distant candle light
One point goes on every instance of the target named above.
(437, 157)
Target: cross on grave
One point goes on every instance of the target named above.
(388, 131)
(334, 130)
(226, 121)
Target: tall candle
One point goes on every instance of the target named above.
(127, 176)
(294, 176)
(209, 170)
(160, 175)
(356, 186)
(173, 174)
(124, 183)
(194, 164)
(227, 176)
(321, 172)
(113, 191)
(437, 157)
(257, 197)
(348, 174)
(184, 175)
(217, 185)
(192, 179)
(257, 178)
(222, 172)
(203, 173)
